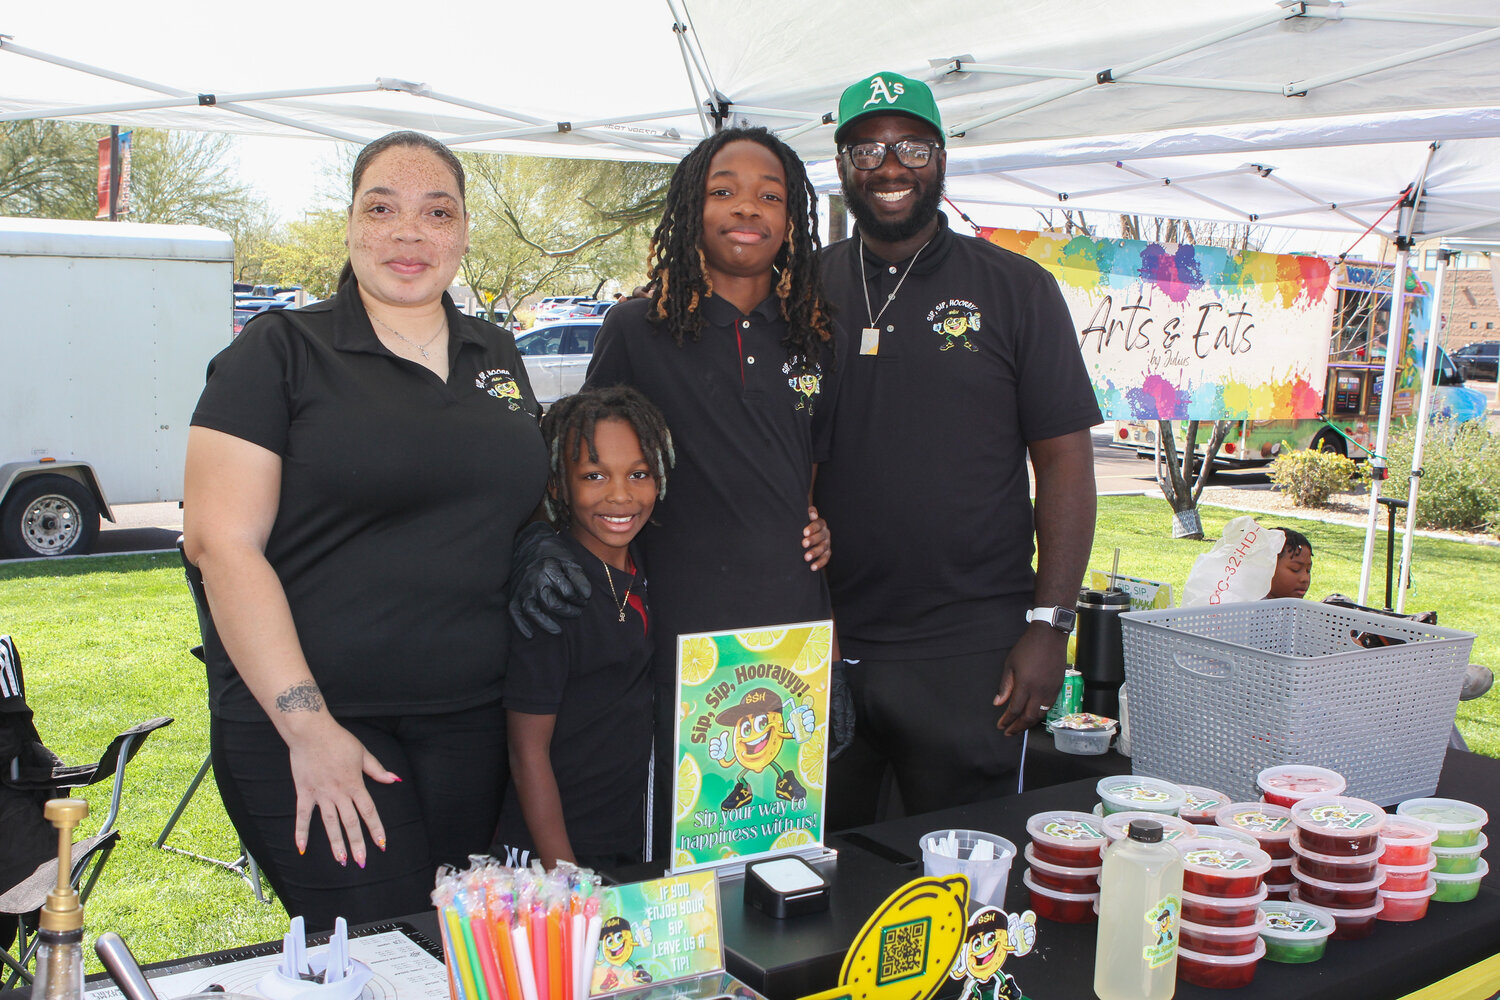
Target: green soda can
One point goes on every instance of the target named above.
(1069, 697)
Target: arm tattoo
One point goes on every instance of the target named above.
(303, 697)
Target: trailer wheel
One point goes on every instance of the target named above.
(1328, 441)
(48, 516)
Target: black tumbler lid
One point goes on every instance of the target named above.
(1147, 831)
(1109, 599)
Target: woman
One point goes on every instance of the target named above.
(356, 471)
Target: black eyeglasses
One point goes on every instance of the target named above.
(913, 154)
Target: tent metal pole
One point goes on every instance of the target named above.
(679, 28)
(192, 100)
(545, 128)
(1390, 62)
(693, 45)
(532, 120)
(1335, 207)
(1409, 17)
(1429, 365)
(1160, 181)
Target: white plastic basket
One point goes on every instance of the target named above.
(1216, 694)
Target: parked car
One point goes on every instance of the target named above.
(244, 308)
(557, 356)
(554, 307)
(1479, 361)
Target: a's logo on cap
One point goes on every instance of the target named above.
(880, 91)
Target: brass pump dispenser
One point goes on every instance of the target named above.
(59, 955)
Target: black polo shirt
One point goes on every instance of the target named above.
(400, 496)
(925, 487)
(596, 678)
(724, 547)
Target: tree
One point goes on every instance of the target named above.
(309, 253)
(48, 169)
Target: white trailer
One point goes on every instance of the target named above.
(105, 332)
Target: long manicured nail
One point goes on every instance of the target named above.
(396, 777)
(380, 842)
(359, 860)
(341, 858)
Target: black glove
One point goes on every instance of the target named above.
(840, 710)
(544, 581)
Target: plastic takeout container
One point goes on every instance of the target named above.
(1339, 895)
(1335, 867)
(1407, 878)
(1338, 825)
(1225, 972)
(1061, 877)
(1219, 868)
(1083, 733)
(1202, 804)
(1173, 829)
(1459, 860)
(1062, 907)
(1295, 933)
(1066, 837)
(1458, 822)
(1211, 940)
(1287, 784)
(1406, 840)
(1221, 911)
(1405, 906)
(1126, 792)
(1459, 887)
(1268, 823)
(1350, 924)
(1213, 831)
(984, 857)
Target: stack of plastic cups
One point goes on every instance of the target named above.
(1285, 785)
(1064, 858)
(1406, 855)
(1271, 826)
(1223, 884)
(1338, 849)
(1458, 868)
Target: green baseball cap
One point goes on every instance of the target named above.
(888, 94)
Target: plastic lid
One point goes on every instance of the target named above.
(1146, 831)
(1299, 923)
(1228, 902)
(1448, 815)
(1085, 721)
(1295, 781)
(1255, 955)
(1200, 799)
(1048, 866)
(1407, 831)
(1213, 831)
(1462, 852)
(1172, 828)
(1223, 858)
(1350, 861)
(1426, 890)
(1111, 598)
(1262, 820)
(1426, 866)
(1339, 912)
(1141, 792)
(1067, 897)
(1066, 828)
(1305, 879)
(1473, 876)
(1338, 814)
(1232, 933)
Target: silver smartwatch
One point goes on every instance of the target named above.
(1061, 619)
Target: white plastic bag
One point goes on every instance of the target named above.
(1238, 568)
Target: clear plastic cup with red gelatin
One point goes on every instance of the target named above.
(1061, 877)
(1458, 822)
(1349, 924)
(1068, 838)
(1268, 823)
(1220, 868)
(1338, 825)
(1295, 933)
(1288, 784)
(1280, 876)
(1062, 907)
(1406, 840)
(1172, 828)
(1221, 911)
(1202, 804)
(1335, 867)
(1222, 972)
(1407, 878)
(1280, 893)
(1211, 940)
(1406, 905)
(1339, 895)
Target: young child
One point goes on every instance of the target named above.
(1293, 566)
(578, 704)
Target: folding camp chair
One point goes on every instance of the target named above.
(29, 775)
(244, 866)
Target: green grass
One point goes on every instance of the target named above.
(105, 641)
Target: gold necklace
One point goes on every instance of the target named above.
(611, 578)
(422, 347)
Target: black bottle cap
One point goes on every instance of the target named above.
(1147, 831)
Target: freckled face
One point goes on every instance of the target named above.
(407, 228)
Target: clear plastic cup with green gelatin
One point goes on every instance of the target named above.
(1458, 822)
(1459, 860)
(1459, 888)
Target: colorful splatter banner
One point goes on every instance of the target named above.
(752, 742)
(1173, 331)
(658, 931)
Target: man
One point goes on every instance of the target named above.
(962, 362)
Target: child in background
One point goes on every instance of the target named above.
(1293, 566)
(578, 704)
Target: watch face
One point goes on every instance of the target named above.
(1064, 619)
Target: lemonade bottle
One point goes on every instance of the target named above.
(1140, 903)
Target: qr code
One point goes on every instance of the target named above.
(903, 950)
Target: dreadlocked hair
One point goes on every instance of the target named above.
(569, 426)
(677, 273)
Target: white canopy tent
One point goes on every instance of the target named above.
(1301, 113)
